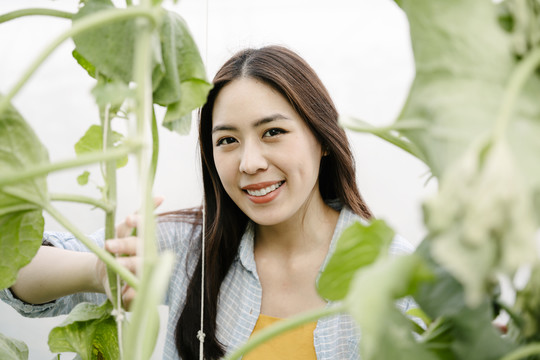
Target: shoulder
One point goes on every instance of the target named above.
(177, 231)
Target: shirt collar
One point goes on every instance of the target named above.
(246, 254)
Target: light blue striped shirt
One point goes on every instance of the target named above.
(335, 337)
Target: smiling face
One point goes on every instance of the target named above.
(266, 157)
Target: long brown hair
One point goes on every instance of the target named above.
(290, 75)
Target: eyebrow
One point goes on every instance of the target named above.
(258, 123)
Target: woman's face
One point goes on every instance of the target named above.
(266, 156)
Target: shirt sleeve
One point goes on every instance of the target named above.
(64, 304)
(182, 239)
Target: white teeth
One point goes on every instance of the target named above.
(264, 191)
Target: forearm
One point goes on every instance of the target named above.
(54, 273)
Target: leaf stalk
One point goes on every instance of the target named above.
(106, 206)
(524, 351)
(519, 77)
(35, 11)
(85, 159)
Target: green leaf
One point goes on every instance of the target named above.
(178, 116)
(463, 62)
(417, 312)
(386, 332)
(21, 222)
(183, 86)
(12, 349)
(20, 238)
(20, 149)
(359, 245)
(108, 49)
(89, 330)
(85, 64)
(185, 75)
(83, 178)
(112, 93)
(178, 75)
(92, 141)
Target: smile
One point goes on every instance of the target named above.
(264, 191)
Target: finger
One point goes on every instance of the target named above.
(132, 221)
(130, 262)
(122, 246)
(128, 294)
(158, 200)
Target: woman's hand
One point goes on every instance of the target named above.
(124, 246)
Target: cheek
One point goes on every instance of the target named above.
(224, 169)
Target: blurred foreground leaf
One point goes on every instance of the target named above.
(359, 245)
(21, 222)
(12, 349)
(89, 330)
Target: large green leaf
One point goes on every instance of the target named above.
(178, 74)
(101, 48)
(20, 238)
(358, 246)
(483, 220)
(20, 149)
(463, 63)
(89, 330)
(185, 76)
(11, 349)
(21, 222)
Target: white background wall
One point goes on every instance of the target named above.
(359, 48)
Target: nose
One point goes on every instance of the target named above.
(253, 159)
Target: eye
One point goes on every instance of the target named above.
(225, 141)
(274, 132)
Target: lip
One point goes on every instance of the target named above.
(265, 198)
(261, 185)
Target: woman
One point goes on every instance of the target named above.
(279, 188)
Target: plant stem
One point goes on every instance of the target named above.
(524, 351)
(142, 70)
(35, 11)
(89, 22)
(144, 110)
(102, 254)
(519, 77)
(283, 326)
(80, 199)
(155, 148)
(115, 283)
(85, 159)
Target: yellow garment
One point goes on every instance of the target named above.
(296, 344)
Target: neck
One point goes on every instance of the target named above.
(312, 226)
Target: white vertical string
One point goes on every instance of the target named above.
(200, 334)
